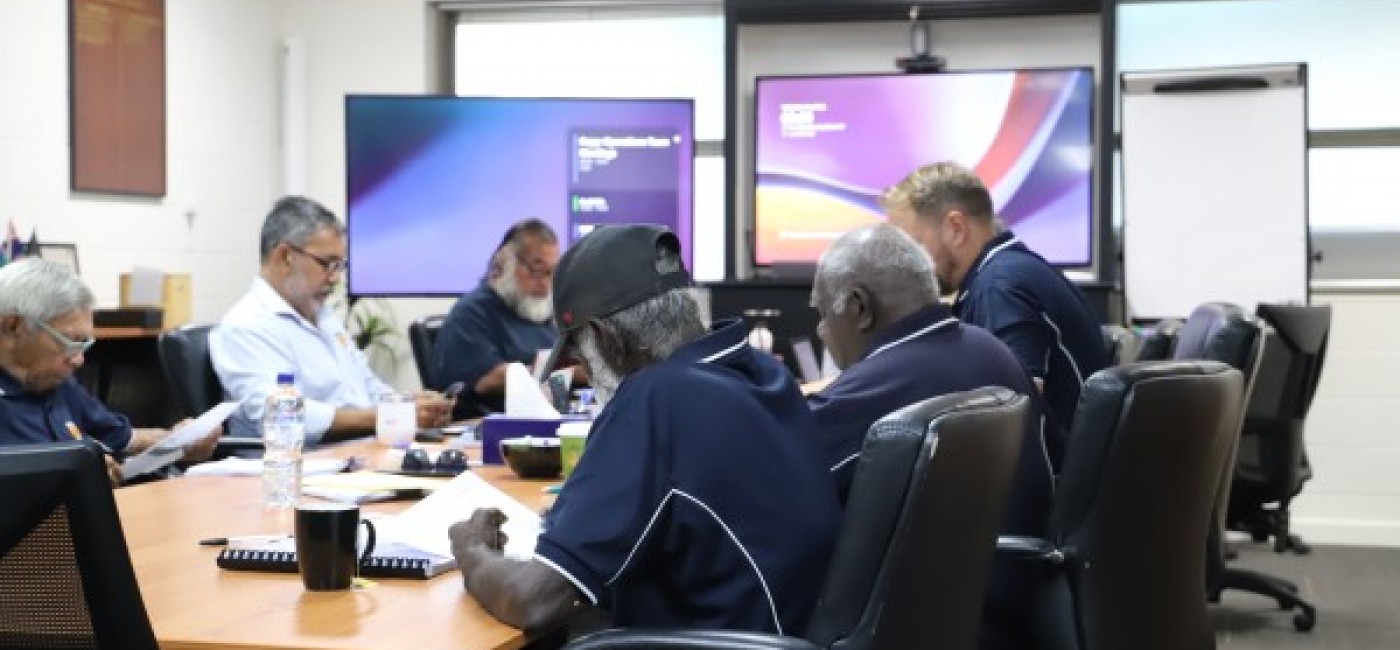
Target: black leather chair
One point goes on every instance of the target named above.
(422, 334)
(1134, 505)
(1157, 345)
(1122, 344)
(1225, 333)
(64, 566)
(1272, 464)
(910, 566)
(189, 371)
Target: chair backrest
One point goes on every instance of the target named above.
(1219, 331)
(67, 576)
(189, 371)
(1157, 345)
(910, 566)
(1135, 500)
(1289, 371)
(422, 335)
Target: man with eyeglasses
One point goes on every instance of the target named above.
(505, 319)
(45, 331)
(283, 324)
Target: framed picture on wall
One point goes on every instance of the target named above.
(65, 254)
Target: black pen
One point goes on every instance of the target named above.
(243, 540)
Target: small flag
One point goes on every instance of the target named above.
(14, 247)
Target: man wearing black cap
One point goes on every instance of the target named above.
(701, 500)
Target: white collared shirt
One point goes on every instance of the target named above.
(262, 336)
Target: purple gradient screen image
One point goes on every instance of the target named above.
(433, 183)
(827, 147)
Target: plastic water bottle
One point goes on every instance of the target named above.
(284, 432)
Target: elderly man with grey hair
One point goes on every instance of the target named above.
(283, 324)
(45, 330)
(877, 296)
(700, 500)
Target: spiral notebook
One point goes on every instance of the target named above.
(395, 562)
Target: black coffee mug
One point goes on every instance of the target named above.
(326, 534)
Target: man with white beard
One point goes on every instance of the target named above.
(701, 500)
(506, 318)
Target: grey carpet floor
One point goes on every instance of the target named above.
(1356, 591)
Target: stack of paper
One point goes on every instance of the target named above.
(424, 526)
(366, 487)
(172, 447)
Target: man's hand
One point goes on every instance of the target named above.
(201, 449)
(114, 471)
(482, 529)
(525, 594)
(434, 410)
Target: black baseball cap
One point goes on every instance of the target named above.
(609, 270)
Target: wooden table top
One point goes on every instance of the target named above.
(194, 604)
(125, 332)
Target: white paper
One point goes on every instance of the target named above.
(829, 369)
(172, 447)
(424, 525)
(806, 360)
(199, 427)
(147, 285)
(541, 358)
(233, 466)
(524, 396)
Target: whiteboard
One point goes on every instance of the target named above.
(1214, 188)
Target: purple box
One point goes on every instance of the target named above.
(495, 428)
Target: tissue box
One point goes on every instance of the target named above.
(495, 428)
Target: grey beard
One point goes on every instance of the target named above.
(604, 379)
(530, 308)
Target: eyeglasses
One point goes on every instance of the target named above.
(71, 348)
(330, 265)
(538, 270)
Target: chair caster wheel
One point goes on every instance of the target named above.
(1304, 621)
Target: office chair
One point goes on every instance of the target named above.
(1225, 333)
(1272, 464)
(422, 335)
(1133, 508)
(1121, 343)
(910, 565)
(67, 576)
(189, 372)
(1158, 343)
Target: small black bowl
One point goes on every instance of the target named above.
(532, 457)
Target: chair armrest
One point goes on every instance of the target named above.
(1018, 547)
(697, 639)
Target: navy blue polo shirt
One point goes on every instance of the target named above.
(1045, 320)
(700, 500)
(480, 333)
(27, 417)
(928, 354)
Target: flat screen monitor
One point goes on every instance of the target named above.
(433, 183)
(827, 147)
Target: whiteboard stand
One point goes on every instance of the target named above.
(1215, 188)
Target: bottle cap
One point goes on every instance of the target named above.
(286, 378)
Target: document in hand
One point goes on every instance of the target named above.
(172, 447)
(424, 526)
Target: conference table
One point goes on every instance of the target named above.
(194, 604)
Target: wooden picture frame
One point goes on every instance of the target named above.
(65, 254)
(117, 115)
